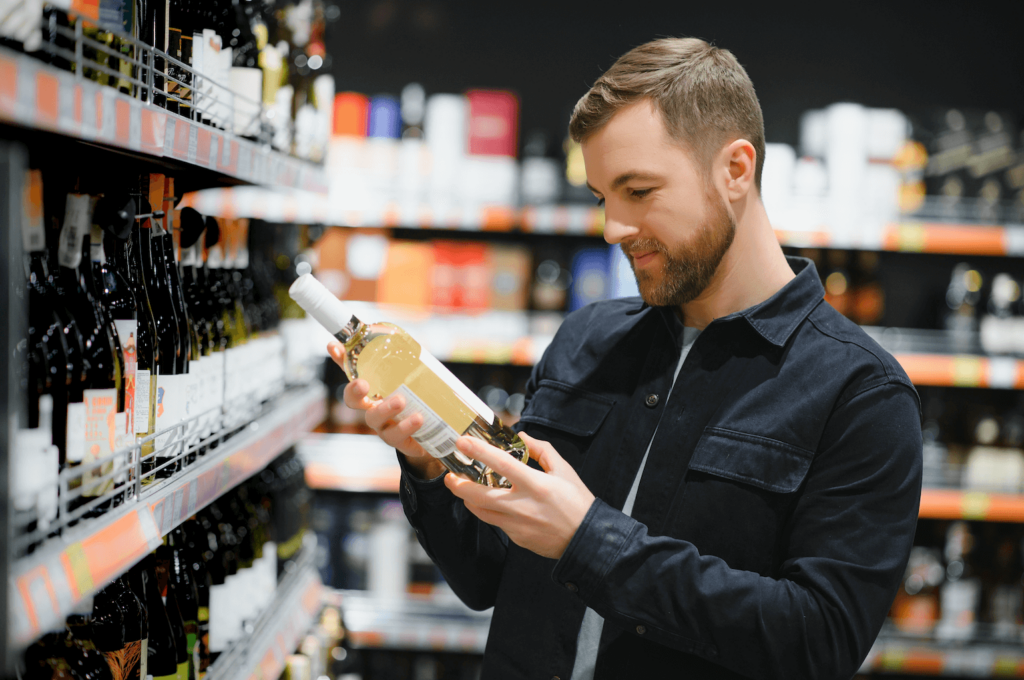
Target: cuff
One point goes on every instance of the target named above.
(593, 549)
(413, 491)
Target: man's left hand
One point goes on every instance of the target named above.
(541, 511)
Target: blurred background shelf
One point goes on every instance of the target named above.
(896, 653)
(436, 623)
(263, 653)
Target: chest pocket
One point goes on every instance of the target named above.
(566, 416)
(739, 491)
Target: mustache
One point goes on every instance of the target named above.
(642, 245)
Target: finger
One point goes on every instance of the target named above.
(476, 495)
(543, 452)
(496, 459)
(383, 411)
(356, 395)
(400, 433)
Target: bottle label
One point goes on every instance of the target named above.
(125, 662)
(96, 244)
(127, 331)
(466, 394)
(193, 389)
(101, 407)
(170, 407)
(76, 225)
(435, 435)
(75, 443)
(144, 659)
(141, 401)
(182, 673)
(33, 232)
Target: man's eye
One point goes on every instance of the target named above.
(600, 203)
(639, 193)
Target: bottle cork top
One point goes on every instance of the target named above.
(319, 303)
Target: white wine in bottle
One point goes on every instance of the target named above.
(394, 363)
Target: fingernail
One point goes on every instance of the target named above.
(396, 402)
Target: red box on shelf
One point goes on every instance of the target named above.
(493, 123)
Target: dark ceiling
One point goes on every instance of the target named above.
(909, 55)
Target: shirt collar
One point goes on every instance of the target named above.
(776, 318)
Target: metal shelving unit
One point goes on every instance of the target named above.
(48, 568)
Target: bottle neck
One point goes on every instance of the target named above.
(353, 329)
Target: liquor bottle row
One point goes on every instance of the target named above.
(963, 583)
(253, 68)
(151, 336)
(172, 614)
(973, 439)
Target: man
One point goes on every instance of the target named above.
(726, 474)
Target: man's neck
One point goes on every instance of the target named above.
(753, 269)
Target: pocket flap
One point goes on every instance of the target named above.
(567, 408)
(759, 461)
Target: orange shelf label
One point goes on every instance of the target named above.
(47, 97)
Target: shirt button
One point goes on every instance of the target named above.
(651, 400)
(572, 587)
(640, 630)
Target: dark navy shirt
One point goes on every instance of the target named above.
(774, 517)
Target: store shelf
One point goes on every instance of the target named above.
(976, 505)
(412, 622)
(584, 220)
(349, 462)
(35, 95)
(892, 654)
(278, 631)
(964, 370)
(46, 584)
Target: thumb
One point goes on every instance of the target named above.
(544, 453)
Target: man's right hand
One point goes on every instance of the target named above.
(380, 416)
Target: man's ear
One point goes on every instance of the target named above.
(739, 158)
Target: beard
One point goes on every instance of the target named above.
(687, 270)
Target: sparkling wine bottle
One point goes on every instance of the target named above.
(394, 363)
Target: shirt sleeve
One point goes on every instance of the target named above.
(844, 552)
(469, 553)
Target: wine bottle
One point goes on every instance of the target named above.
(394, 363)
(127, 662)
(189, 372)
(195, 544)
(109, 625)
(80, 634)
(165, 583)
(168, 389)
(147, 349)
(131, 580)
(186, 594)
(88, 428)
(189, 228)
(163, 655)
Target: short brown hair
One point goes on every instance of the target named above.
(703, 94)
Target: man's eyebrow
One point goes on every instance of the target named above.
(626, 177)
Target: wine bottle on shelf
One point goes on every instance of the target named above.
(189, 227)
(394, 363)
(165, 583)
(169, 400)
(195, 545)
(163, 656)
(129, 262)
(108, 625)
(112, 221)
(187, 365)
(186, 594)
(89, 423)
(127, 662)
(82, 633)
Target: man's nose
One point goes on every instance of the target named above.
(617, 229)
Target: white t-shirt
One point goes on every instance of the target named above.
(593, 623)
